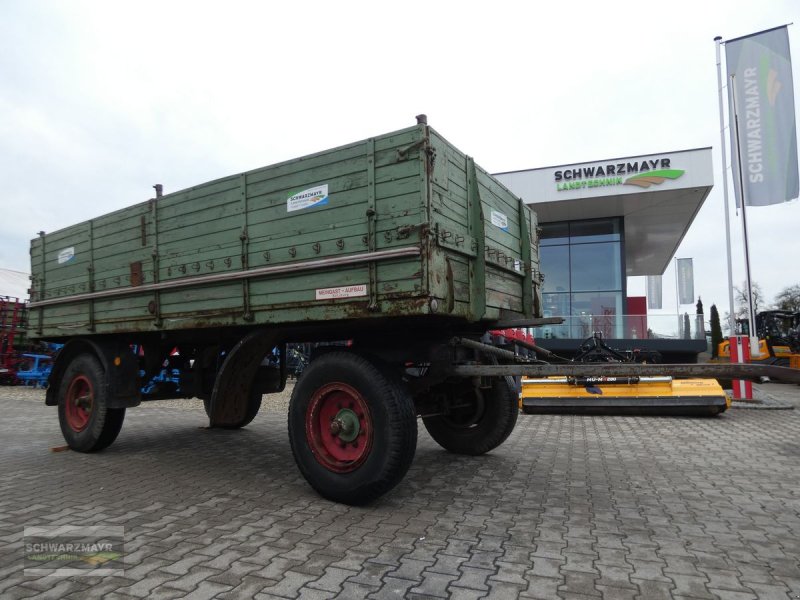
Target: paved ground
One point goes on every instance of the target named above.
(570, 507)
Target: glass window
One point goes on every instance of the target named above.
(599, 230)
(582, 265)
(555, 266)
(554, 233)
(555, 305)
(595, 267)
(598, 311)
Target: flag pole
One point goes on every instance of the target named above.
(750, 310)
(678, 299)
(731, 314)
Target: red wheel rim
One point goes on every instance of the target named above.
(339, 427)
(79, 403)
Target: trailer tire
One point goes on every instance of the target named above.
(482, 427)
(352, 428)
(87, 423)
(253, 406)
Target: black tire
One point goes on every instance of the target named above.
(385, 426)
(484, 424)
(253, 406)
(88, 425)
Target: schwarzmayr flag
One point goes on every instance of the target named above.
(762, 83)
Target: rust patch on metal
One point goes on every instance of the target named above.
(137, 277)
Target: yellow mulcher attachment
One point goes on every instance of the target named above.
(642, 395)
(604, 382)
(613, 394)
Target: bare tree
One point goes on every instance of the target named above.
(741, 300)
(789, 298)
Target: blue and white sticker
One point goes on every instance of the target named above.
(499, 220)
(316, 196)
(67, 255)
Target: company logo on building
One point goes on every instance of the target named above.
(645, 173)
(645, 180)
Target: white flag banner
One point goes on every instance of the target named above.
(654, 300)
(685, 280)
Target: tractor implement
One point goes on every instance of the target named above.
(618, 387)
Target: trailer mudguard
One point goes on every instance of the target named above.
(237, 376)
(119, 363)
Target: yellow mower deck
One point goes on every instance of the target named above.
(623, 395)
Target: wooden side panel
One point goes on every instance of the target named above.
(252, 222)
(504, 234)
(287, 243)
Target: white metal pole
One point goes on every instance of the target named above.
(731, 314)
(678, 300)
(750, 309)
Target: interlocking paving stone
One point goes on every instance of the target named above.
(542, 587)
(410, 569)
(614, 593)
(654, 590)
(205, 590)
(145, 586)
(473, 578)
(433, 585)
(465, 594)
(510, 573)
(729, 595)
(290, 584)
(570, 507)
(249, 585)
(576, 582)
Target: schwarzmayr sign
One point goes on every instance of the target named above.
(644, 173)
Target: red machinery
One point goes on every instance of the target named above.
(12, 324)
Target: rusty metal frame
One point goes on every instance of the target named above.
(608, 369)
(308, 265)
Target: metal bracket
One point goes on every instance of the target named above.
(525, 256)
(402, 153)
(244, 237)
(372, 219)
(477, 267)
(157, 321)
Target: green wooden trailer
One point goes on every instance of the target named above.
(399, 243)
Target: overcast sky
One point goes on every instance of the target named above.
(100, 100)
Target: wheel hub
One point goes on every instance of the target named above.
(339, 427)
(84, 402)
(466, 409)
(79, 402)
(346, 425)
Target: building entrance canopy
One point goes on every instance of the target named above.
(656, 195)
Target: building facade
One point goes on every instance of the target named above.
(602, 222)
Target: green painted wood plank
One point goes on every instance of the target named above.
(200, 233)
